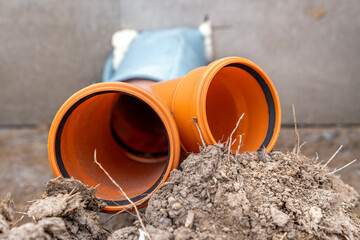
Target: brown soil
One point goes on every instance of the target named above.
(250, 196)
(67, 210)
(25, 169)
(212, 196)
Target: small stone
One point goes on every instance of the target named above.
(244, 162)
(290, 235)
(226, 229)
(183, 193)
(280, 218)
(214, 179)
(253, 165)
(176, 206)
(255, 215)
(235, 200)
(171, 200)
(316, 214)
(237, 186)
(189, 219)
(166, 221)
(223, 174)
(156, 233)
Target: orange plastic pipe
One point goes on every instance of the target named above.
(84, 123)
(217, 95)
(135, 127)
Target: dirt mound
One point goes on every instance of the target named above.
(67, 210)
(213, 195)
(250, 196)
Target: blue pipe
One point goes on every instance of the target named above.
(159, 55)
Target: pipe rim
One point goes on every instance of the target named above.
(152, 101)
(201, 95)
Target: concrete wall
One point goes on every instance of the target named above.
(310, 49)
(49, 49)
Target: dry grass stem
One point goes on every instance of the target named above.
(332, 157)
(297, 136)
(232, 133)
(23, 213)
(197, 127)
(346, 165)
(114, 215)
(120, 212)
(18, 221)
(239, 145)
(123, 193)
(232, 144)
(302, 145)
(128, 208)
(283, 236)
(227, 142)
(346, 237)
(316, 156)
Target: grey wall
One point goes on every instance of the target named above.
(310, 49)
(49, 49)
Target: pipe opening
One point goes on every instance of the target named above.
(90, 124)
(235, 90)
(137, 128)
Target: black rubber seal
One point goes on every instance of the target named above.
(136, 152)
(269, 99)
(63, 170)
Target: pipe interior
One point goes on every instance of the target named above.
(138, 128)
(232, 92)
(91, 126)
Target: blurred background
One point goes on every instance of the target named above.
(51, 49)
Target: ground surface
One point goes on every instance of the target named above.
(217, 195)
(24, 167)
(213, 195)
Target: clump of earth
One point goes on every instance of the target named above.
(213, 195)
(216, 195)
(67, 210)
